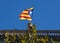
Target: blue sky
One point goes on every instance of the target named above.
(46, 14)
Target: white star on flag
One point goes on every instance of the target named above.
(30, 12)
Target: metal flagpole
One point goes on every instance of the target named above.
(32, 14)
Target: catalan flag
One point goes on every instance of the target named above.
(25, 15)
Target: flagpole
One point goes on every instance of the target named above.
(31, 9)
(32, 13)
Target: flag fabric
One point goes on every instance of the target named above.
(25, 15)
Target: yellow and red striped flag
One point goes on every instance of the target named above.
(25, 15)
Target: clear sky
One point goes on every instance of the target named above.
(46, 14)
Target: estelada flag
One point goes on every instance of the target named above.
(25, 15)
